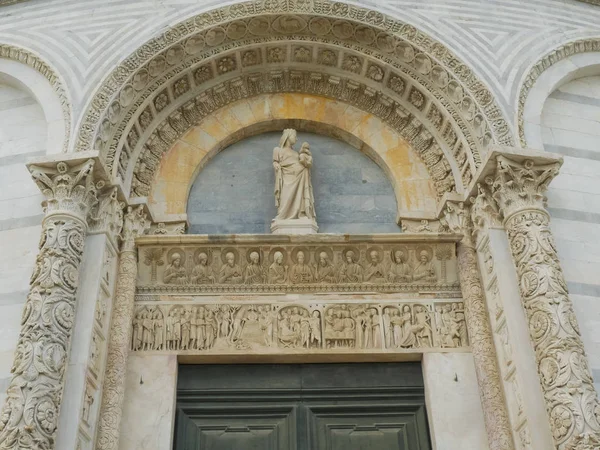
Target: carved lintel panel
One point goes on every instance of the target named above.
(198, 327)
(278, 265)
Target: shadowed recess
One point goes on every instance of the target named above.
(234, 192)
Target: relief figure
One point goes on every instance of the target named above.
(175, 273)
(324, 271)
(277, 271)
(400, 271)
(300, 273)
(202, 272)
(254, 271)
(230, 272)
(424, 270)
(375, 271)
(350, 271)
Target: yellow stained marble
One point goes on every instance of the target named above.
(179, 166)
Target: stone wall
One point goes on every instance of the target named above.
(234, 192)
(571, 127)
(22, 135)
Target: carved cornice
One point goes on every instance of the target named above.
(203, 51)
(555, 56)
(26, 57)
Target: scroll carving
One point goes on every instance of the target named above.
(30, 413)
(298, 328)
(134, 225)
(571, 400)
(456, 218)
(311, 267)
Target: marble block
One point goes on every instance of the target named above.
(294, 226)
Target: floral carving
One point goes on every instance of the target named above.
(30, 413)
(571, 400)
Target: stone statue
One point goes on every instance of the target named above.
(293, 187)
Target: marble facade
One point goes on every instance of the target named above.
(473, 286)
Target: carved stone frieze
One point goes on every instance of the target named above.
(30, 413)
(298, 327)
(135, 224)
(264, 264)
(456, 217)
(571, 399)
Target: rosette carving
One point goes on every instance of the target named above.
(456, 219)
(571, 400)
(30, 415)
(135, 224)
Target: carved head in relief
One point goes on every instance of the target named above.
(230, 258)
(374, 257)
(203, 258)
(278, 257)
(323, 258)
(424, 256)
(176, 259)
(254, 257)
(349, 256)
(399, 256)
(300, 257)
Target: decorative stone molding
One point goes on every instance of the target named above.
(30, 414)
(256, 264)
(212, 49)
(26, 57)
(294, 328)
(556, 55)
(135, 224)
(456, 218)
(518, 186)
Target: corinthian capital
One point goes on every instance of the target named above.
(521, 185)
(135, 224)
(69, 189)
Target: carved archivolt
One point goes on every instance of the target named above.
(310, 267)
(556, 55)
(25, 57)
(298, 328)
(303, 46)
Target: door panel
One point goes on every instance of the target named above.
(301, 407)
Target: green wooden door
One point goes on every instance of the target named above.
(301, 407)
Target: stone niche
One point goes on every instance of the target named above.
(319, 294)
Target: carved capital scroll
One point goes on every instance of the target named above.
(134, 225)
(30, 415)
(456, 217)
(565, 378)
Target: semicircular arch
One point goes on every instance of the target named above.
(342, 51)
(414, 190)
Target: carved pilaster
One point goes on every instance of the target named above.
(456, 218)
(571, 400)
(30, 415)
(135, 224)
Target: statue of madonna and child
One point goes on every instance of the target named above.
(294, 197)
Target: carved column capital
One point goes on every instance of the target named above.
(522, 185)
(135, 224)
(69, 188)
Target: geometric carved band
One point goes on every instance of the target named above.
(282, 264)
(271, 327)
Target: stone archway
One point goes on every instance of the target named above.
(335, 50)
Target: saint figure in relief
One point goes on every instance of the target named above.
(293, 188)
